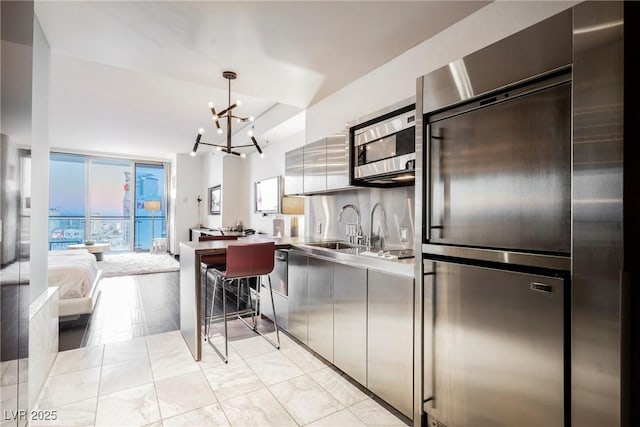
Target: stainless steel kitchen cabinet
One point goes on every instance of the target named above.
(337, 161)
(390, 339)
(293, 171)
(320, 329)
(298, 296)
(315, 167)
(279, 301)
(350, 321)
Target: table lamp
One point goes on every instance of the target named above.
(293, 206)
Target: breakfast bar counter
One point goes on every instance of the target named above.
(190, 290)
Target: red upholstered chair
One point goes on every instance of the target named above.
(244, 261)
(208, 262)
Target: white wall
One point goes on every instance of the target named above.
(396, 80)
(212, 176)
(271, 165)
(188, 186)
(235, 198)
(40, 162)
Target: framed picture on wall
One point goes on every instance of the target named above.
(214, 200)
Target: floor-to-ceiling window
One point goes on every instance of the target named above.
(110, 202)
(91, 198)
(67, 200)
(150, 211)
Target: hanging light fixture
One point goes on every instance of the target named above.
(227, 114)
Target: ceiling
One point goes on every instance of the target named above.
(135, 77)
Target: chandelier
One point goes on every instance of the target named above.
(227, 114)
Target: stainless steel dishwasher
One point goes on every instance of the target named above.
(279, 282)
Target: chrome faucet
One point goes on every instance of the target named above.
(358, 236)
(373, 238)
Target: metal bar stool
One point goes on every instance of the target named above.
(208, 262)
(244, 262)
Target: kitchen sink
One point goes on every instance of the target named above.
(332, 245)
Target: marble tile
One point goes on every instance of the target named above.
(82, 413)
(342, 418)
(211, 415)
(165, 342)
(155, 424)
(258, 408)
(77, 360)
(338, 386)
(232, 380)
(254, 346)
(211, 359)
(14, 371)
(285, 340)
(43, 340)
(173, 363)
(183, 393)
(9, 398)
(135, 406)
(124, 375)
(303, 359)
(372, 413)
(62, 389)
(305, 400)
(273, 368)
(125, 350)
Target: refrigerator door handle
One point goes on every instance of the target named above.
(430, 162)
(427, 184)
(429, 318)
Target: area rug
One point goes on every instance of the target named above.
(137, 263)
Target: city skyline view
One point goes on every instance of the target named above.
(91, 199)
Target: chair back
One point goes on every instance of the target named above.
(206, 237)
(254, 259)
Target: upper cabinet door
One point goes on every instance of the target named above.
(315, 167)
(293, 171)
(337, 162)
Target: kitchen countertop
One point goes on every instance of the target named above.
(191, 300)
(350, 256)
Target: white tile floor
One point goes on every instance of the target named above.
(154, 381)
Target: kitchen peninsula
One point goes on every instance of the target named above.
(190, 291)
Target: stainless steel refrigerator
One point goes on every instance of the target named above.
(497, 341)
(496, 246)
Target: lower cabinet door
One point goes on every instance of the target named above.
(350, 321)
(298, 296)
(320, 280)
(390, 339)
(281, 304)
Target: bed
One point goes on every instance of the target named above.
(75, 273)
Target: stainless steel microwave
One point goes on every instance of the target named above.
(383, 149)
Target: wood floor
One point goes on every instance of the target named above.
(141, 305)
(128, 307)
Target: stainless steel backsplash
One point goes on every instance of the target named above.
(397, 202)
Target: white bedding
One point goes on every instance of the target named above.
(73, 272)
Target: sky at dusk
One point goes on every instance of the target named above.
(107, 188)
